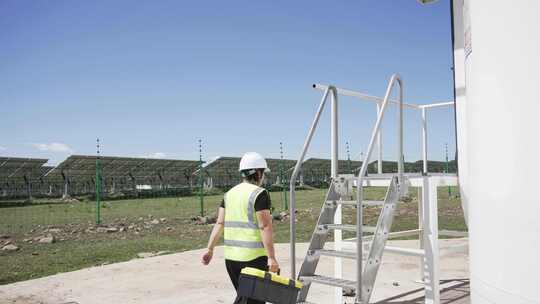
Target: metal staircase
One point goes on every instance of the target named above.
(375, 247)
(340, 194)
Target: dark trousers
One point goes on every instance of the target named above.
(234, 268)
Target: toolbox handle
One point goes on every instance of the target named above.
(268, 280)
(292, 283)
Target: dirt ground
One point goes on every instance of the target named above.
(180, 278)
(51, 238)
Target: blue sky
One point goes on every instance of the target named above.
(150, 78)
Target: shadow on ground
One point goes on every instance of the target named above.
(452, 292)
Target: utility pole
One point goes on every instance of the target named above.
(201, 180)
(98, 185)
(282, 178)
(348, 158)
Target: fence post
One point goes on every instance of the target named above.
(201, 179)
(98, 187)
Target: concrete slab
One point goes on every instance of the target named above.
(180, 278)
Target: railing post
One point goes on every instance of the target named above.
(360, 177)
(292, 194)
(421, 200)
(334, 133)
(431, 240)
(424, 141)
(400, 133)
(379, 143)
(334, 129)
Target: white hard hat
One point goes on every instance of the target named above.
(253, 160)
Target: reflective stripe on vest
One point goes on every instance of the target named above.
(244, 244)
(236, 224)
(243, 241)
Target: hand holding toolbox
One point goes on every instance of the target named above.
(267, 286)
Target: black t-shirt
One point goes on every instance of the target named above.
(261, 203)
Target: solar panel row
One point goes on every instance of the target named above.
(17, 175)
(20, 177)
(223, 172)
(19, 168)
(123, 173)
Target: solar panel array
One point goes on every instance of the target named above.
(223, 172)
(418, 166)
(76, 175)
(123, 173)
(18, 168)
(17, 175)
(317, 171)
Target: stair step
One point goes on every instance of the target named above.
(354, 203)
(338, 253)
(346, 227)
(384, 176)
(329, 281)
(373, 203)
(454, 233)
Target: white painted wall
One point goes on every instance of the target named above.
(461, 102)
(499, 136)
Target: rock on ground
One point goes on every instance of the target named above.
(10, 247)
(47, 240)
(204, 220)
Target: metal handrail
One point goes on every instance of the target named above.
(378, 100)
(363, 170)
(360, 176)
(437, 105)
(372, 98)
(294, 176)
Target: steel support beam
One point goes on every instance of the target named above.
(431, 241)
(334, 138)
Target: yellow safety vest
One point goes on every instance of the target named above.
(243, 241)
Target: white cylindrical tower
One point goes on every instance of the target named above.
(460, 91)
(500, 116)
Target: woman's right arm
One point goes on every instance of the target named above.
(214, 236)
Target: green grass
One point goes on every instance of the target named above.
(78, 247)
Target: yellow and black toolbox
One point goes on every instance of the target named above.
(267, 286)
